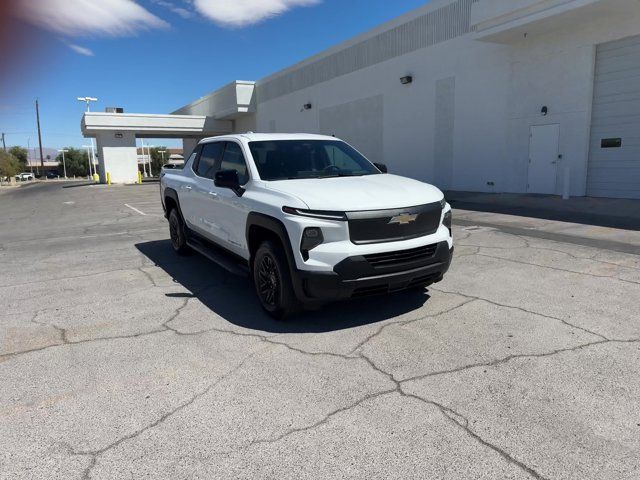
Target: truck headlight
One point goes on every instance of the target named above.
(322, 215)
(311, 238)
(447, 221)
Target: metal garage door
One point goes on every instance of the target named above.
(614, 158)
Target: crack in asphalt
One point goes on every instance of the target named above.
(382, 328)
(95, 454)
(524, 310)
(528, 245)
(462, 422)
(508, 358)
(616, 276)
(319, 423)
(451, 415)
(595, 275)
(74, 277)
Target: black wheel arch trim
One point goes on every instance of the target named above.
(276, 226)
(173, 195)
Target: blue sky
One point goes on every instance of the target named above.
(188, 49)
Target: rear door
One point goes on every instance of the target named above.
(186, 187)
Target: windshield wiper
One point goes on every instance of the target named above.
(338, 175)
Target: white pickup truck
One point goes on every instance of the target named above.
(308, 217)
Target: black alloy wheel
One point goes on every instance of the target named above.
(272, 281)
(177, 233)
(269, 281)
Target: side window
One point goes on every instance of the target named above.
(234, 160)
(209, 162)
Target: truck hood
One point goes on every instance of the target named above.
(348, 194)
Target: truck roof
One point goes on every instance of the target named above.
(263, 137)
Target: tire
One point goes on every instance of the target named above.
(177, 233)
(272, 280)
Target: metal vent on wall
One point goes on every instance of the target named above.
(437, 26)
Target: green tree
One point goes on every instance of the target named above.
(9, 165)
(156, 158)
(20, 154)
(77, 162)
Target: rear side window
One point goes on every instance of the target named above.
(234, 160)
(210, 158)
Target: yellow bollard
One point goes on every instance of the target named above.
(139, 177)
(96, 178)
(108, 178)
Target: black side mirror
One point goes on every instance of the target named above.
(229, 179)
(382, 167)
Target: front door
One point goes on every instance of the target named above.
(233, 210)
(543, 159)
(207, 210)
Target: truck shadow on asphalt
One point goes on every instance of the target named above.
(234, 299)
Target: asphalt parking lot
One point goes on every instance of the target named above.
(120, 360)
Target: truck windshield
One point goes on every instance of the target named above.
(298, 159)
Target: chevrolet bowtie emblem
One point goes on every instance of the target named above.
(403, 219)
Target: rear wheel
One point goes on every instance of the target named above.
(177, 233)
(273, 281)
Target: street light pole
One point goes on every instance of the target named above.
(92, 156)
(88, 147)
(64, 163)
(144, 162)
(88, 101)
(149, 147)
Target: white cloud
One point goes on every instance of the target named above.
(81, 50)
(183, 12)
(90, 17)
(240, 13)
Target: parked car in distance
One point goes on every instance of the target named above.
(173, 166)
(308, 217)
(51, 175)
(24, 176)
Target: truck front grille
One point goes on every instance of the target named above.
(381, 226)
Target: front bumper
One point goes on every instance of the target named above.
(355, 277)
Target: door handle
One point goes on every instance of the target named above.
(188, 187)
(213, 194)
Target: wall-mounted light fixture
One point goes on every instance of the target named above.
(307, 106)
(544, 111)
(119, 135)
(406, 80)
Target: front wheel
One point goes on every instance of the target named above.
(273, 281)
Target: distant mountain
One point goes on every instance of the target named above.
(34, 154)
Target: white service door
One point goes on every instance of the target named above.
(543, 159)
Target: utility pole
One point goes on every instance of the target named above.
(39, 135)
(4, 145)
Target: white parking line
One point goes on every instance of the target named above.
(135, 209)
